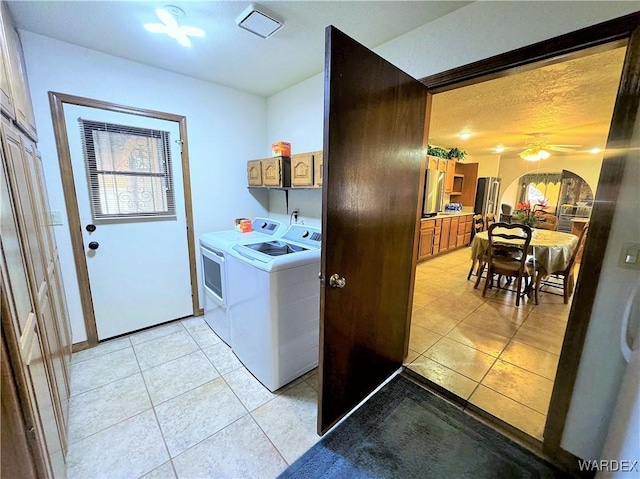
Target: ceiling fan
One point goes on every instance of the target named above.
(539, 150)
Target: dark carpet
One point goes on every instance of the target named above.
(404, 431)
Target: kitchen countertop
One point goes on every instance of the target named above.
(580, 220)
(449, 215)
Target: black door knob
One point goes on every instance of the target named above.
(90, 228)
(94, 245)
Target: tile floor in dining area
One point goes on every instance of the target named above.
(498, 357)
(174, 401)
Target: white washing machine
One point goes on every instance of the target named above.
(214, 249)
(274, 305)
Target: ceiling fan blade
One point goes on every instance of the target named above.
(563, 148)
(156, 27)
(192, 31)
(166, 18)
(182, 39)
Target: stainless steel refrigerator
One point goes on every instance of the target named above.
(487, 196)
(434, 183)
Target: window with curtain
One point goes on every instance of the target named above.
(540, 186)
(128, 171)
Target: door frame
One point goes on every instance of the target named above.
(57, 102)
(623, 30)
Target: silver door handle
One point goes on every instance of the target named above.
(321, 278)
(335, 281)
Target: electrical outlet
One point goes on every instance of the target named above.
(295, 214)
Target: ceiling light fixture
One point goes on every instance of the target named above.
(534, 154)
(595, 151)
(257, 19)
(499, 149)
(465, 135)
(169, 16)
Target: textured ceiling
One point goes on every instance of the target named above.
(227, 55)
(568, 103)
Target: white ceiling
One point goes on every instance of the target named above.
(228, 55)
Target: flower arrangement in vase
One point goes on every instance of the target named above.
(529, 215)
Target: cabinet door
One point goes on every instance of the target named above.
(453, 233)
(317, 168)
(444, 234)
(6, 96)
(432, 163)
(254, 173)
(272, 172)
(436, 237)
(442, 165)
(450, 172)
(17, 74)
(302, 169)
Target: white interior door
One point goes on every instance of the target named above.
(139, 274)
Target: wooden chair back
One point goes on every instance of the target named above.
(478, 223)
(489, 219)
(580, 244)
(509, 244)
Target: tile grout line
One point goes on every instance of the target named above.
(166, 446)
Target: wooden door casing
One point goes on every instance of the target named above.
(373, 147)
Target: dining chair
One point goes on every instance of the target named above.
(507, 256)
(548, 222)
(565, 275)
(478, 225)
(489, 219)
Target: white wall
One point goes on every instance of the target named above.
(602, 365)
(225, 127)
(476, 32)
(302, 127)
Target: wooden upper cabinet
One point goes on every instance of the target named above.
(254, 173)
(432, 163)
(450, 169)
(271, 172)
(17, 74)
(6, 96)
(318, 163)
(302, 169)
(442, 165)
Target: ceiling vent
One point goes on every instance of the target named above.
(259, 20)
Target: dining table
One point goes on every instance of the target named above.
(551, 250)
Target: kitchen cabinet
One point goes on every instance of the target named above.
(453, 232)
(450, 168)
(274, 172)
(464, 183)
(432, 162)
(302, 170)
(439, 235)
(427, 233)
(254, 172)
(35, 319)
(444, 234)
(15, 72)
(318, 163)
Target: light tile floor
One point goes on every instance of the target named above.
(174, 401)
(499, 357)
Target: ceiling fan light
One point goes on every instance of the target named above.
(543, 154)
(534, 154)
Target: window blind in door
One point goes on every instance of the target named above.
(128, 171)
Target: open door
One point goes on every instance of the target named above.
(373, 149)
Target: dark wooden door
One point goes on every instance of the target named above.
(373, 147)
